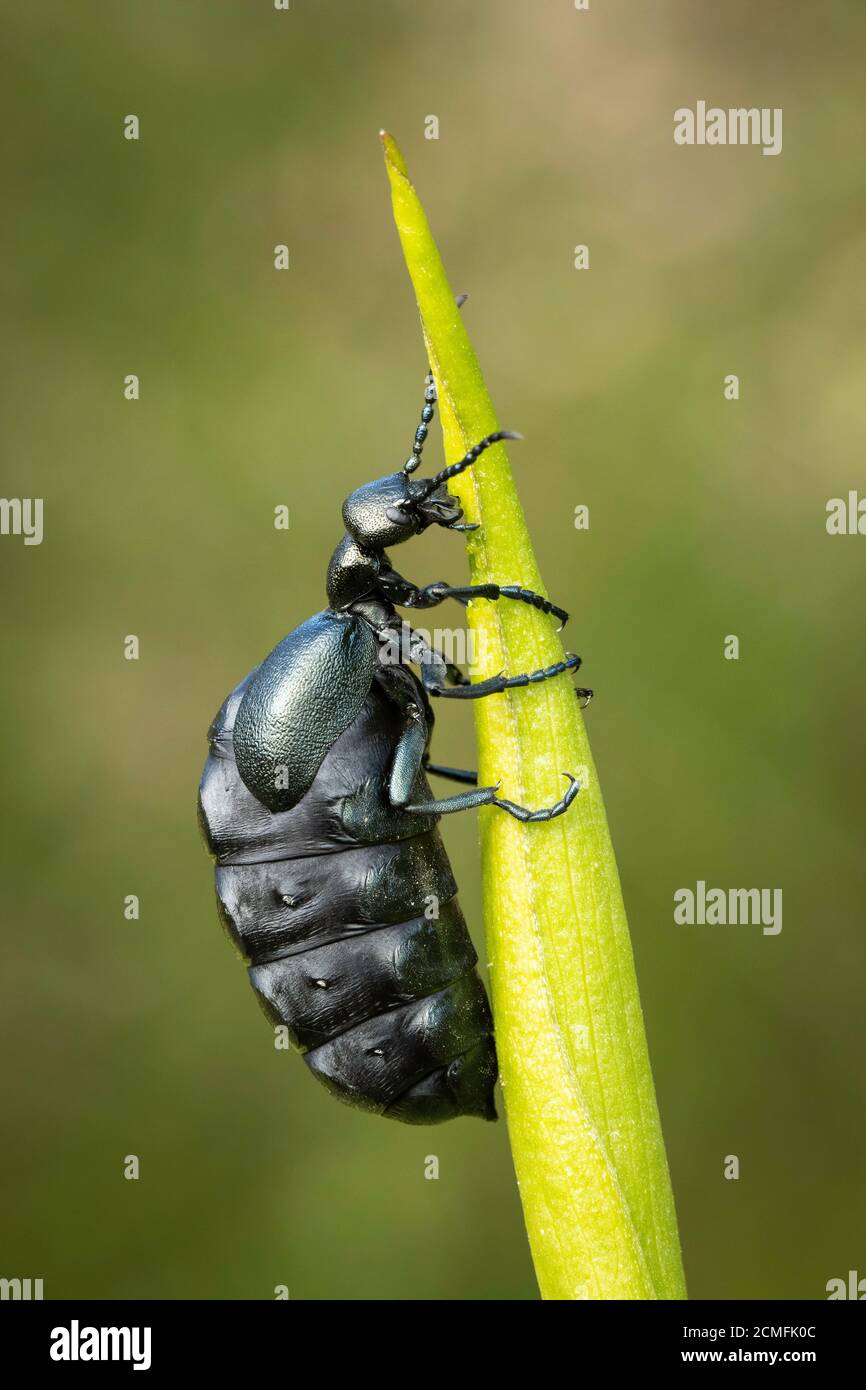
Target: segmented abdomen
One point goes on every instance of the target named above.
(345, 911)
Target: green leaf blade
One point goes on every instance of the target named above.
(582, 1116)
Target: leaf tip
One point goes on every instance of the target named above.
(393, 156)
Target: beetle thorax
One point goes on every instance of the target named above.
(352, 573)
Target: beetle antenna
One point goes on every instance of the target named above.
(466, 461)
(427, 411)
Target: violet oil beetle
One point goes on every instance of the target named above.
(331, 876)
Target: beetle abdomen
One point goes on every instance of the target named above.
(345, 910)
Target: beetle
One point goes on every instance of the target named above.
(331, 876)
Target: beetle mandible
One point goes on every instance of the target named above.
(331, 876)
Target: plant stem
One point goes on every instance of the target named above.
(580, 1103)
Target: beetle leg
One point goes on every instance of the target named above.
(406, 763)
(408, 595)
(395, 588)
(403, 689)
(463, 801)
(435, 670)
(486, 796)
(431, 677)
(432, 594)
(410, 755)
(549, 812)
(454, 774)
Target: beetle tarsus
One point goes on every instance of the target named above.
(521, 813)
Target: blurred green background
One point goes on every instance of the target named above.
(260, 388)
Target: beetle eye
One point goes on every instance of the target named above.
(398, 514)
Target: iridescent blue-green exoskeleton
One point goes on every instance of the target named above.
(331, 876)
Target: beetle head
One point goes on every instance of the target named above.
(395, 508)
